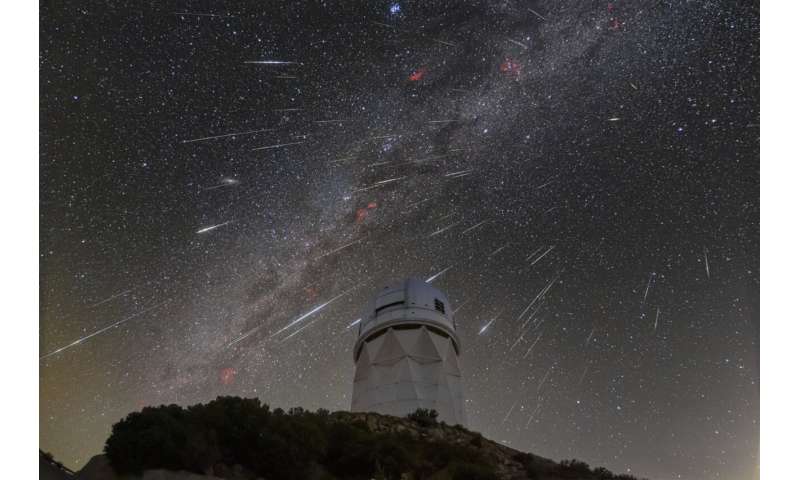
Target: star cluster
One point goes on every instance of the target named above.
(223, 186)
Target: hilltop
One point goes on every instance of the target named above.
(242, 439)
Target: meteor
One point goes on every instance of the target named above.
(192, 14)
(443, 229)
(353, 324)
(213, 227)
(542, 255)
(518, 43)
(378, 184)
(498, 250)
(474, 227)
(483, 328)
(461, 306)
(434, 277)
(589, 338)
(104, 329)
(460, 173)
(536, 13)
(533, 345)
(226, 135)
(112, 297)
(271, 62)
(339, 248)
(311, 312)
(299, 330)
(509, 411)
(275, 146)
(534, 253)
(444, 43)
(647, 288)
(225, 182)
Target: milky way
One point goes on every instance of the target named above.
(223, 186)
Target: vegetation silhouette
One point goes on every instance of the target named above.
(242, 437)
(275, 444)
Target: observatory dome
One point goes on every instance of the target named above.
(407, 354)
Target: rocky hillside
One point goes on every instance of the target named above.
(241, 439)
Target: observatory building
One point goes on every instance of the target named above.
(407, 354)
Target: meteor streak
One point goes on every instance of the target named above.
(518, 43)
(509, 411)
(546, 375)
(275, 146)
(498, 250)
(519, 339)
(647, 288)
(213, 227)
(339, 248)
(271, 62)
(311, 312)
(434, 277)
(474, 227)
(443, 229)
(104, 329)
(483, 328)
(112, 297)
(461, 306)
(533, 345)
(536, 13)
(583, 374)
(444, 43)
(589, 338)
(378, 184)
(299, 330)
(531, 316)
(227, 135)
(353, 323)
(459, 173)
(534, 253)
(540, 295)
(226, 182)
(542, 255)
(191, 14)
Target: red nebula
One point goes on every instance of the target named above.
(311, 293)
(227, 375)
(361, 215)
(418, 74)
(510, 67)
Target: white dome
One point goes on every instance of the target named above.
(407, 354)
(410, 302)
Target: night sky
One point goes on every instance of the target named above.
(212, 174)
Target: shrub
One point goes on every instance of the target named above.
(424, 417)
(603, 473)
